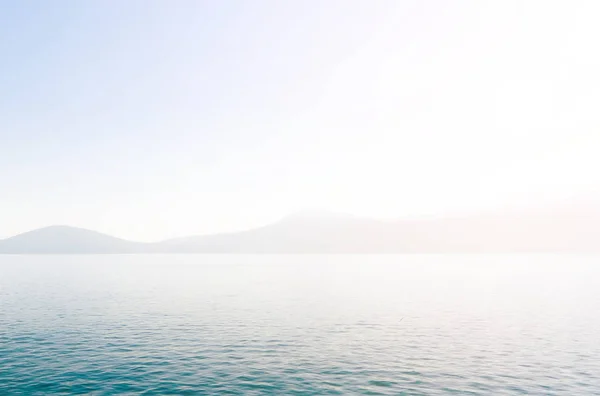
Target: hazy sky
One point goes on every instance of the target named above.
(153, 119)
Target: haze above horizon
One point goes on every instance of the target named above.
(151, 121)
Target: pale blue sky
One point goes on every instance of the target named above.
(155, 119)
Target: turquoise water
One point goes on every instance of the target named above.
(303, 325)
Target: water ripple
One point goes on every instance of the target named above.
(151, 337)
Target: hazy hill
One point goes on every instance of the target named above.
(65, 239)
(566, 230)
(306, 232)
(551, 232)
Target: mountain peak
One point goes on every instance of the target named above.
(312, 214)
(65, 239)
(59, 227)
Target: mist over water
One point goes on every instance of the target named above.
(303, 325)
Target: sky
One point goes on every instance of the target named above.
(153, 119)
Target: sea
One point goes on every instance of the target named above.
(300, 325)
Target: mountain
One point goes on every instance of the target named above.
(550, 231)
(305, 232)
(572, 230)
(555, 230)
(67, 240)
(515, 232)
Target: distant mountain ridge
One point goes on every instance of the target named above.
(321, 232)
(62, 239)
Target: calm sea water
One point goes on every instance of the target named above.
(300, 325)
